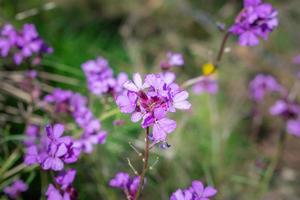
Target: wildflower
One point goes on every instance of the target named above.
(173, 59)
(150, 101)
(66, 178)
(127, 184)
(59, 149)
(100, 77)
(262, 84)
(256, 20)
(63, 189)
(22, 44)
(196, 192)
(86, 142)
(32, 132)
(15, 189)
(285, 109)
(76, 105)
(293, 127)
(296, 59)
(206, 85)
(208, 69)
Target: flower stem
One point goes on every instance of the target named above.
(218, 59)
(145, 166)
(277, 159)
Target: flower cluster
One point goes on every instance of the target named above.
(256, 20)
(15, 189)
(21, 45)
(63, 189)
(127, 184)
(173, 60)
(151, 101)
(68, 102)
(53, 151)
(207, 84)
(262, 84)
(290, 112)
(196, 192)
(284, 107)
(100, 77)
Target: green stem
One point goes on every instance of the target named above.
(277, 159)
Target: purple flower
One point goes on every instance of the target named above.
(60, 150)
(150, 100)
(32, 132)
(201, 192)
(66, 178)
(99, 75)
(22, 44)
(262, 84)
(256, 20)
(296, 59)
(285, 109)
(64, 190)
(31, 155)
(196, 192)
(127, 184)
(182, 195)
(76, 104)
(206, 85)
(293, 127)
(86, 142)
(173, 59)
(15, 189)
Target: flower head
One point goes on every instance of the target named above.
(128, 185)
(150, 100)
(24, 44)
(262, 84)
(15, 189)
(256, 20)
(173, 60)
(196, 192)
(206, 85)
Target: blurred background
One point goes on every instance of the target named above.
(218, 141)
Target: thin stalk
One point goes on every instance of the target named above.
(218, 59)
(277, 159)
(222, 47)
(145, 166)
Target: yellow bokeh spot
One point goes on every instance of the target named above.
(208, 68)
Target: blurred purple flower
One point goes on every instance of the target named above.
(293, 127)
(127, 184)
(173, 59)
(23, 44)
(256, 20)
(76, 105)
(65, 178)
(150, 101)
(196, 192)
(206, 85)
(64, 189)
(262, 84)
(31, 132)
(296, 59)
(100, 77)
(15, 189)
(285, 109)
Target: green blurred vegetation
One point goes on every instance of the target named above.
(213, 142)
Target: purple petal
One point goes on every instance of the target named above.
(209, 191)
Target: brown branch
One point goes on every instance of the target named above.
(145, 166)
